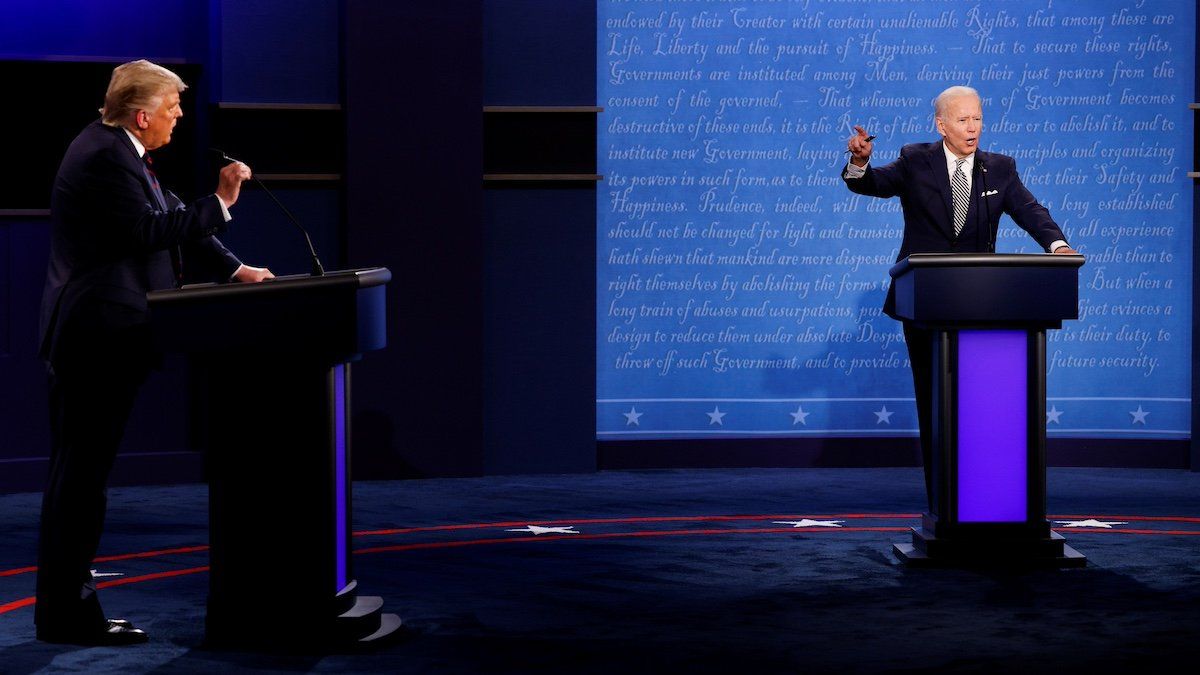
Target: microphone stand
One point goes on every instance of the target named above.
(987, 218)
(317, 269)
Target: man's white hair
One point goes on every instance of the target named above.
(943, 99)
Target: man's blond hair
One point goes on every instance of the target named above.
(137, 85)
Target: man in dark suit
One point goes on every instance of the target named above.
(952, 195)
(115, 236)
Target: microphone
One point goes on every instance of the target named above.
(987, 210)
(317, 269)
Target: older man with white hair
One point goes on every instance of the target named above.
(952, 194)
(116, 234)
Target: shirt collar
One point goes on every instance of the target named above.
(952, 161)
(137, 145)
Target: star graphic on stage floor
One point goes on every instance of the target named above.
(1090, 522)
(99, 575)
(538, 529)
(805, 522)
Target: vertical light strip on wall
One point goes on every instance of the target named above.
(339, 472)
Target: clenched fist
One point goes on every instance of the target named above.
(229, 183)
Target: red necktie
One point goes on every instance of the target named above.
(158, 193)
(176, 255)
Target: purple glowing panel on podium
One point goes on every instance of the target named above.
(339, 471)
(992, 426)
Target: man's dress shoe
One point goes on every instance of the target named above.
(114, 633)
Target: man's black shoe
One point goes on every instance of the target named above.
(114, 633)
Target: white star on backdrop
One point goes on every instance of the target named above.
(1139, 416)
(884, 416)
(805, 522)
(538, 529)
(716, 416)
(1090, 522)
(1053, 414)
(799, 417)
(632, 417)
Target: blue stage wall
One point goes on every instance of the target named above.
(413, 93)
(74, 30)
(739, 283)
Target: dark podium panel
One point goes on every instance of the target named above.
(274, 359)
(989, 313)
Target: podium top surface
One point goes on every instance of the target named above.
(326, 320)
(357, 278)
(943, 260)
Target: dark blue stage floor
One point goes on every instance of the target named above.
(666, 571)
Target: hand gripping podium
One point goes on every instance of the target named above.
(275, 360)
(989, 314)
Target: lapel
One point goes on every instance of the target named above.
(123, 139)
(138, 162)
(937, 164)
(973, 215)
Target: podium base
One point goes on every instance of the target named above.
(1043, 553)
(388, 624)
(261, 624)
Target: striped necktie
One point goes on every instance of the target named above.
(962, 196)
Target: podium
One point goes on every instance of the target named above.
(274, 359)
(989, 314)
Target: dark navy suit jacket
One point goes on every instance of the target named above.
(919, 177)
(110, 239)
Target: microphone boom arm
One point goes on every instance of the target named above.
(317, 269)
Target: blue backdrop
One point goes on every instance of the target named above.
(739, 283)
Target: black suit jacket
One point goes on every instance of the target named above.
(919, 177)
(110, 238)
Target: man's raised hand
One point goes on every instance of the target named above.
(229, 182)
(860, 146)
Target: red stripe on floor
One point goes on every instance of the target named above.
(664, 519)
(151, 554)
(151, 577)
(1141, 519)
(19, 570)
(1118, 530)
(25, 602)
(16, 604)
(110, 558)
(645, 519)
(616, 535)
